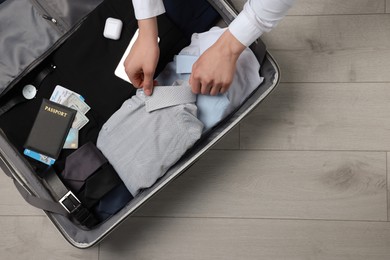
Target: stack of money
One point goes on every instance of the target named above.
(75, 101)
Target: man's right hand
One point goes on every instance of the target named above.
(141, 62)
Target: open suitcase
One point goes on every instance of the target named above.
(33, 33)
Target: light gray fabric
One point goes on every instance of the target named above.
(142, 146)
(22, 40)
(166, 96)
(71, 11)
(25, 35)
(212, 109)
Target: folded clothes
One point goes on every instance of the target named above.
(147, 135)
(81, 164)
(212, 109)
(112, 202)
(142, 145)
(95, 182)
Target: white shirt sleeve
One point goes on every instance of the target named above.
(148, 8)
(257, 17)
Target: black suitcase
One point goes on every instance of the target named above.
(34, 33)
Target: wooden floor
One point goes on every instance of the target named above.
(305, 176)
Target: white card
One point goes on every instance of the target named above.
(60, 94)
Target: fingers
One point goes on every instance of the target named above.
(195, 84)
(148, 82)
(200, 86)
(135, 79)
(215, 90)
(144, 80)
(207, 87)
(141, 62)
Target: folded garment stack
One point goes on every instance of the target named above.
(212, 109)
(148, 135)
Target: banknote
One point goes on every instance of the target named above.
(80, 120)
(73, 101)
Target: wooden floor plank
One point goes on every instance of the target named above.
(230, 141)
(387, 6)
(11, 202)
(323, 7)
(36, 238)
(326, 34)
(176, 238)
(345, 48)
(257, 184)
(388, 186)
(326, 116)
(336, 66)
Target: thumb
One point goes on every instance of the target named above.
(147, 83)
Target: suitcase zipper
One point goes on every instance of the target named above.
(38, 60)
(47, 13)
(58, 26)
(51, 19)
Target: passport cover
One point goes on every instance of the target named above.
(50, 128)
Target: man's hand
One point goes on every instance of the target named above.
(141, 62)
(213, 72)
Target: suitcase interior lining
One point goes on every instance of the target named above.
(85, 63)
(84, 68)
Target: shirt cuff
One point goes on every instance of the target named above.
(244, 30)
(145, 9)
